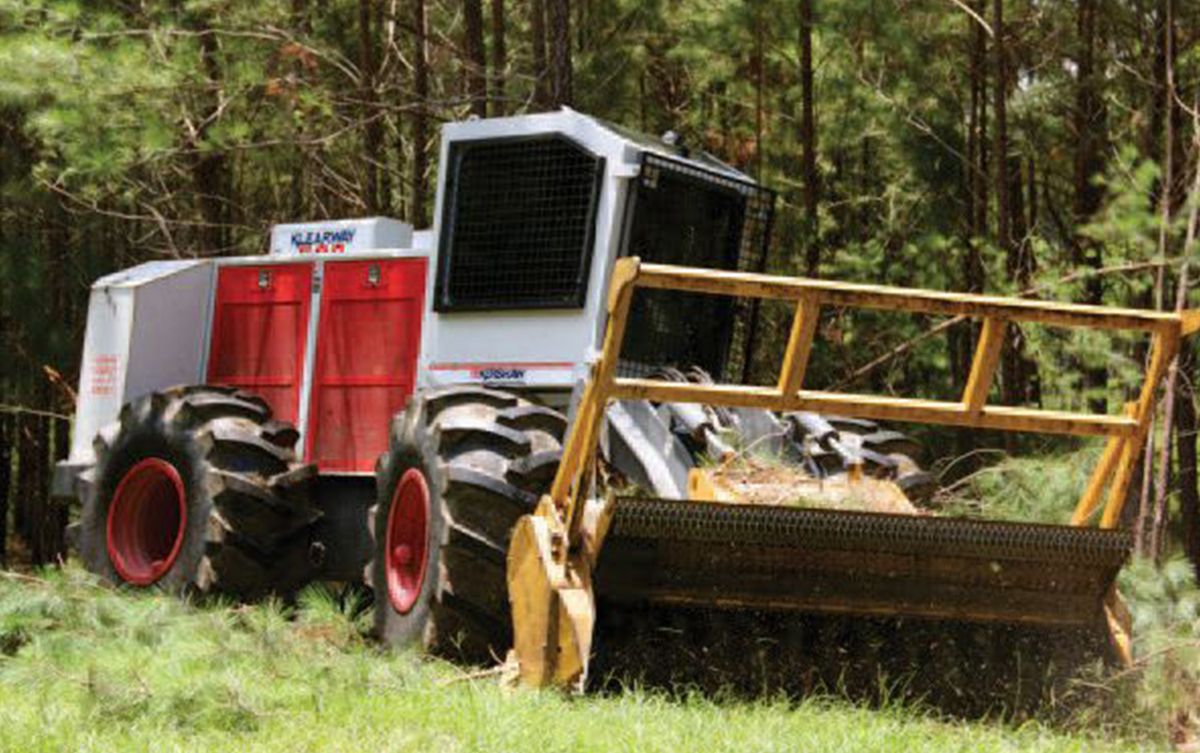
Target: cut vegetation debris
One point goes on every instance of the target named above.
(753, 480)
(87, 668)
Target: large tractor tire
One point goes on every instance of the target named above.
(197, 490)
(463, 464)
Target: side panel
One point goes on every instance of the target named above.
(169, 319)
(367, 346)
(145, 332)
(259, 331)
(102, 372)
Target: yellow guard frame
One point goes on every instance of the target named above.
(553, 551)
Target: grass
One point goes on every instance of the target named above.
(87, 668)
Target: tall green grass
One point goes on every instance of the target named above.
(88, 668)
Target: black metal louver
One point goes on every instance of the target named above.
(519, 224)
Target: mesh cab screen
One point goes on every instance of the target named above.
(519, 226)
(684, 215)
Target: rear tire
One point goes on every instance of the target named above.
(474, 460)
(196, 489)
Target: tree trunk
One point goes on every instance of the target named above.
(31, 469)
(7, 420)
(1167, 196)
(476, 62)
(210, 169)
(44, 520)
(1033, 196)
(961, 337)
(1011, 382)
(541, 72)
(559, 20)
(1171, 145)
(1003, 217)
(808, 142)
(397, 110)
(420, 118)
(372, 138)
(381, 113)
(20, 512)
(6, 445)
(1088, 125)
(983, 170)
(759, 86)
(977, 168)
(499, 59)
(1186, 427)
(581, 25)
(57, 513)
(297, 205)
(1158, 522)
(1021, 256)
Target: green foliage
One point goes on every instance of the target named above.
(1159, 694)
(1128, 225)
(1162, 690)
(97, 669)
(1042, 487)
(187, 128)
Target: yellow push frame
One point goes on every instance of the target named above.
(1126, 432)
(553, 550)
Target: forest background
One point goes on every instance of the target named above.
(1039, 147)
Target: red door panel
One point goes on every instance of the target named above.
(259, 332)
(367, 346)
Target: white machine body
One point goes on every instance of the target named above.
(355, 299)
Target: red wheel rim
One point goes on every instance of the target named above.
(146, 521)
(407, 540)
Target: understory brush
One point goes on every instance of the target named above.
(1159, 696)
(1162, 688)
(1040, 488)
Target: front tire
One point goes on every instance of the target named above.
(463, 464)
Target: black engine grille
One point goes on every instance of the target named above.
(520, 224)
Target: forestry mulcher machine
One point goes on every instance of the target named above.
(526, 423)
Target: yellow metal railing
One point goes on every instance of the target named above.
(1126, 432)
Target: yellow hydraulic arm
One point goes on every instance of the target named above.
(554, 550)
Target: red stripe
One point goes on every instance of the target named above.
(505, 365)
